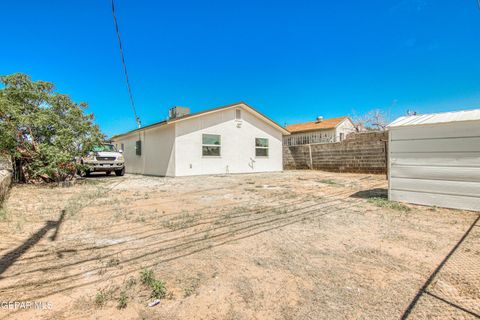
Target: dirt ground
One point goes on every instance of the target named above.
(290, 245)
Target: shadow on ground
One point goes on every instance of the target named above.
(371, 193)
(7, 260)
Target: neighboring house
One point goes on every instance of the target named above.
(319, 131)
(230, 139)
(434, 159)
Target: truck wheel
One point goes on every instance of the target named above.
(108, 173)
(83, 173)
(120, 172)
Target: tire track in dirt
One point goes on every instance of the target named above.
(157, 234)
(192, 243)
(205, 220)
(164, 260)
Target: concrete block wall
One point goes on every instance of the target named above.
(296, 157)
(5, 177)
(360, 153)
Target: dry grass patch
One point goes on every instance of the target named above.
(293, 245)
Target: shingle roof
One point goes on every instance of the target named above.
(315, 125)
(196, 114)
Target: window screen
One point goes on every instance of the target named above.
(261, 147)
(211, 145)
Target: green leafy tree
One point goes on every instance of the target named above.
(42, 130)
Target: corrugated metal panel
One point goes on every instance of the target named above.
(436, 173)
(470, 144)
(436, 159)
(445, 117)
(436, 165)
(450, 130)
(459, 188)
(431, 199)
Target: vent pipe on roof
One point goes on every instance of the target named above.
(319, 119)
(177, 112)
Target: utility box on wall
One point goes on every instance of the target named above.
(434, 160)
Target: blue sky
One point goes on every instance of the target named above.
(292, 60)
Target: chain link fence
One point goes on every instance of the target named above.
(453, 291)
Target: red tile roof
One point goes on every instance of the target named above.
(315, 125)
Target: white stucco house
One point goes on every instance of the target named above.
(231, 139)
(319, 131)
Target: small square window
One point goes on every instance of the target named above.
(261, 147)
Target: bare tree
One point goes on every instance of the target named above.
(372, 120)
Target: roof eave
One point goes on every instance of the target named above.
(309, 130)
(233, 105)
(327, 128)
(150, 126)
(343, 120)
(202, 113)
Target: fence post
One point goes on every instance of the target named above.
(386, 157)
(310, 155)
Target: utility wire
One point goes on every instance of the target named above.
(137, 119)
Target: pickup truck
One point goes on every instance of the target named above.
(104, 158)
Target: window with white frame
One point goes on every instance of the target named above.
(261, 147)
(211, 145)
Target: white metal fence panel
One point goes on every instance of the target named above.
(436, 165)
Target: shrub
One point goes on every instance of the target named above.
(122, 300)
(101, 298)
(159, 291)
(42, 130)
(147, 277)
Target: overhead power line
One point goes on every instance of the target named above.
(137, 119)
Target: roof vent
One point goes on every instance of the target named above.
(319, 119)
(177, 112)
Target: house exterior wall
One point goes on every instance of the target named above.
(158, 151)
(339, 133)
(343, 129)
(237, 144)
(318, 136)
(436, 165)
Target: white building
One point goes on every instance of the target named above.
(319, 131)
(230, 139)
(434, 159)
